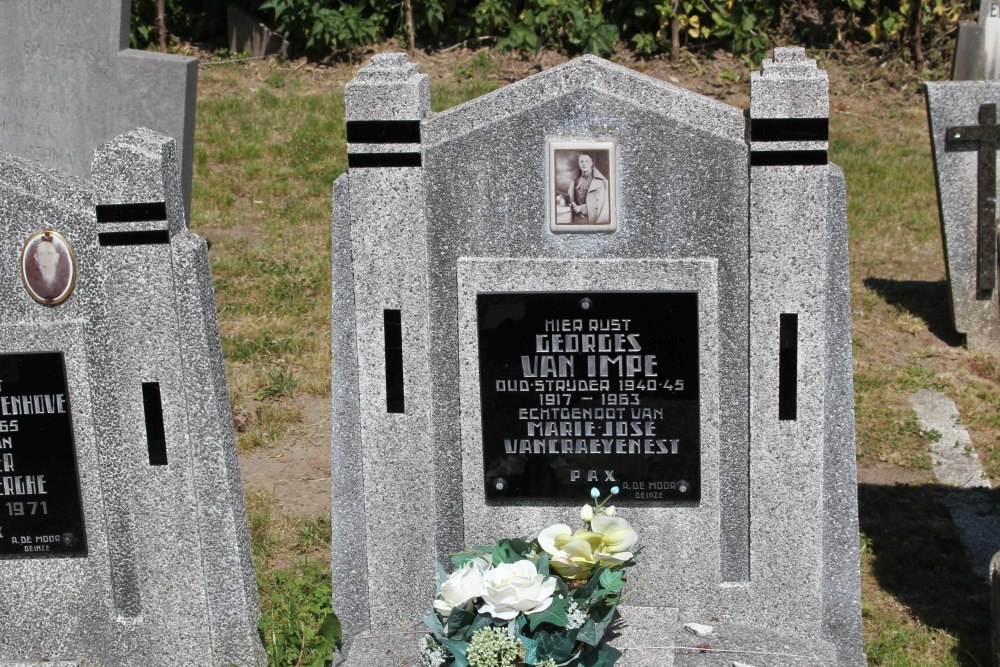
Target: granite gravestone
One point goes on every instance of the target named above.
(123, 535)
(995, 607)
(68, 83)
(977, 51)
(592, 277)
(964, 134)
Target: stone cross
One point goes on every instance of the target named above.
(986, 133)
(68, 84)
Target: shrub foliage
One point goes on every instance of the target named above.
(747, 28)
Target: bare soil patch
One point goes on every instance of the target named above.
(297, 470)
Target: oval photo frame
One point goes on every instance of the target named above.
(48, 267)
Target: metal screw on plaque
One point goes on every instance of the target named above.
(682, 486)
(586, 303)
(68, 539)
(500, 484)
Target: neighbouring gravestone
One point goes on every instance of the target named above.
(977, 50)
(68, 83)
(123, 534)
(503, 340)
(995, 607)
(248, 35)
(964, 134)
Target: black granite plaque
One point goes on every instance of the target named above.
(40, 509)
(584, 389)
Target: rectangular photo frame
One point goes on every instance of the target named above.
(581, 186)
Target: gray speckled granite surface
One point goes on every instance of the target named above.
(950, 104)
(168, 577)
(69, 83)
(772, 545)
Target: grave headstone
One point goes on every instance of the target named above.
(248, 35)
(591, 275)
(68, 83)
(123, 534)
(964, 134)
(977, 51)
(995, 607)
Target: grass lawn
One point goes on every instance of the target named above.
(269, 143)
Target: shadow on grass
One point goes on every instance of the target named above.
(919, 560)
(926, 299)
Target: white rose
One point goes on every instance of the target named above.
(515, 588)
(463, 585)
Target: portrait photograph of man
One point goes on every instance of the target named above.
(582, 194)
(48, 267)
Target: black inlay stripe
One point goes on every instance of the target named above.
(363, 160)
(787, 158)
(151, 237)
(383, 131)
(788, 362)
(156, 439)
(789, 129)
(142, 212)
(393, 326)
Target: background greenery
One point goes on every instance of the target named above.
(746, 28)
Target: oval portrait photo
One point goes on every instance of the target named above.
(48, 267)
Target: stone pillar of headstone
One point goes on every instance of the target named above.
(995, 607)
(178, 512)
(381, 448)
(801, 414)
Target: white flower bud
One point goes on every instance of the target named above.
(587, 512)
(609, 510)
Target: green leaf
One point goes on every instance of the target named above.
(555, 614)
(481, 622)
(610, 654)
(611, 581)
(432, 621)
(589, 634)
(458, 650)
(557, 645)
(530, 649)
(542, 565)
(459, 622)
(586, 591)
(330, 631)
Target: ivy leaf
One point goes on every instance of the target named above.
(480, 623)
(599, 657)
(587, 590)
(556, 645)
(542, 565)
(589, 634)
(610, 581)
(459, 622)
(555, 614)
(432, 621)
(458, 650)
(530, 649)
(610, 654)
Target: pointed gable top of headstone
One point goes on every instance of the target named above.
(588, 73)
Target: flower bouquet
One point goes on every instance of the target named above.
(545, 602)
